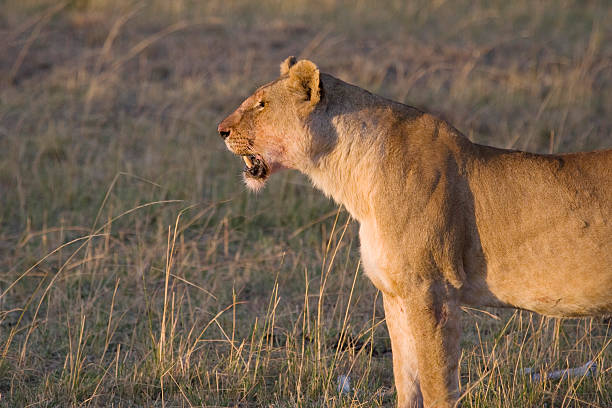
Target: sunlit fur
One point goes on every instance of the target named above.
(443, 221)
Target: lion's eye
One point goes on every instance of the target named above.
(261, 104)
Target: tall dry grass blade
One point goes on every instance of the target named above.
(46, 17)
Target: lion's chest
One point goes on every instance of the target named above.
(375, 259)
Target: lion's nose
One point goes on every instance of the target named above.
(223, 131)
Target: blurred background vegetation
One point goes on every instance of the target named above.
(136, 271)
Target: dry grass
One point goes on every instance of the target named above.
(137, 272)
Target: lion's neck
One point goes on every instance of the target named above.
(343, 188)
(348, 172)
(370, 154)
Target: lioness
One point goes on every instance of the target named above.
(443, 222)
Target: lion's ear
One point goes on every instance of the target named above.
(304, 80)
(286, 64)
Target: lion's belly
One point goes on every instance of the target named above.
(556, 275)
(556, 293)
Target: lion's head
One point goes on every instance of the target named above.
(270, 128)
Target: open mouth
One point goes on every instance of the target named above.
(255, 166)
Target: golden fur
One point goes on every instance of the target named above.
(443, 222)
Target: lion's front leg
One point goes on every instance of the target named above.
(433, 315)
(405, 364)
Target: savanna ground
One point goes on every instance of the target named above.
(137, 271)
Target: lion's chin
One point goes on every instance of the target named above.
(254, 183)
(256, 171)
